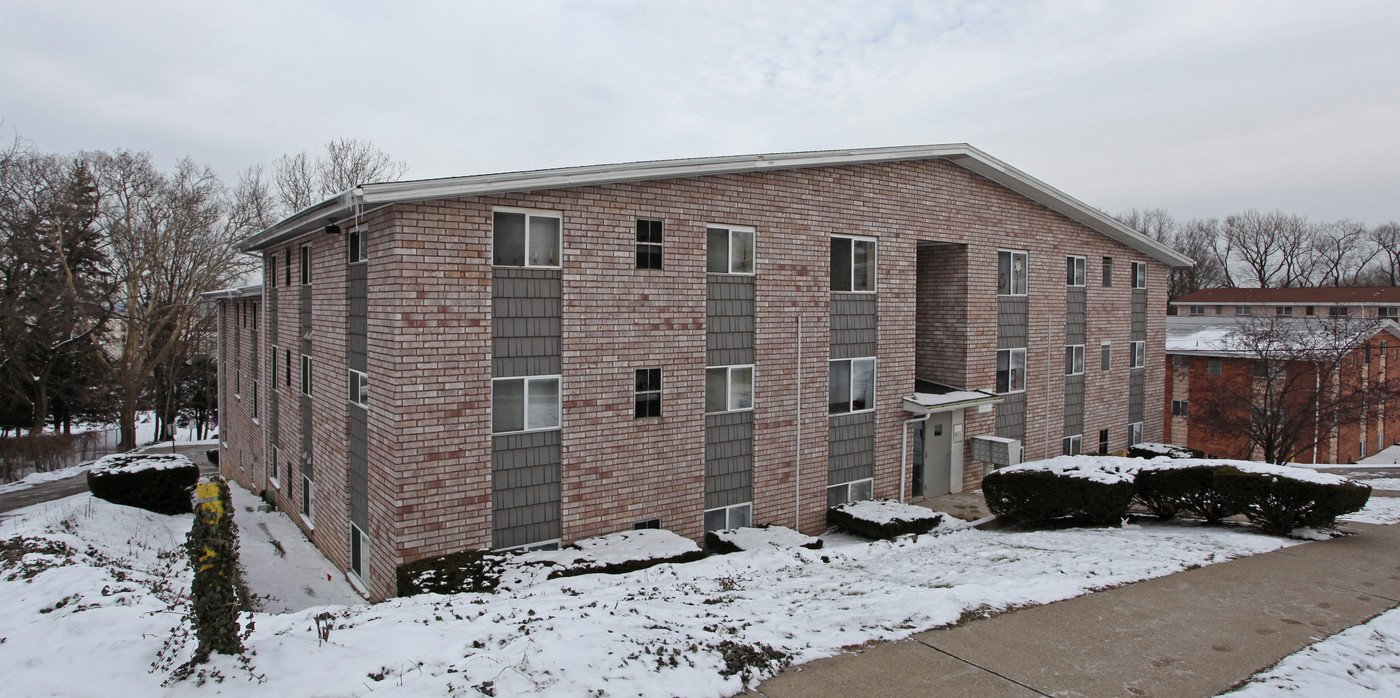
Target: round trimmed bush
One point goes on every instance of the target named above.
(1048, 493)
(162, 483)
(1167, 491)
(1279, 499)
(1149, 451)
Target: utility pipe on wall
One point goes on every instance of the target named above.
(797, 469)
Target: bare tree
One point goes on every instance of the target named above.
(1310, 379)
(1195, 240)
(170, 239)
(1341, 253)
(1266, 249)
(346, 163)
(1386, 238)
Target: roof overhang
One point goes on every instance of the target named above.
(347, 203)
(933, 403)
(233, 293)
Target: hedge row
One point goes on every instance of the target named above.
(1276, 499)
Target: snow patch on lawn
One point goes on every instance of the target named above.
(763, 538)
(1364, 659)
(690, 629)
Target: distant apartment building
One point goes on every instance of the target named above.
(527, 359)
(1201, 360)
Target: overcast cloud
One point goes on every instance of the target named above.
(1204, 108)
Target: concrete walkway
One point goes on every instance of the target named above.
(1194, 633)
(58, 489)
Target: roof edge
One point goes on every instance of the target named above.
(228, 293)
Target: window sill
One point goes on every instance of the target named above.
(843, 414)
(526, 266)
(730, 273)
(747, 409)
(275, 484)
(526, 431)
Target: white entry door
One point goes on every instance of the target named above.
(938, 454)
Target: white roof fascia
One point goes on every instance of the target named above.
(960, 154)
(244, 292)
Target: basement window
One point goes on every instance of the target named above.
(730, 517)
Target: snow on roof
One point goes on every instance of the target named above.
(936, 397)
(1361, 295)
(1214, 336)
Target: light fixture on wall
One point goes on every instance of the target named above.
(331, 227)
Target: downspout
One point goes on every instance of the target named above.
(797, 470)
(263, 366)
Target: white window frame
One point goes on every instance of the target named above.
(357, 246)
(1181, 408)
(865, 485)
(526, 381)
(851, 384)
(1074, 359)
(308, 500)
(1010, 368)
(1283, 311)
(1076, 271)
(730, 401)
(529, 213)
(1244, 311)
(1134, 433)
(730, 230)
(1105, 356)
(1072, 445)
(1197, 310)
(1025, 275)
(549, 544)
(363, 540)
(237, 383)
(359, 388)
(1139, 274)
(874, 264)
(735, 516)
(255, 400)
(306, 375)
(1388, 312)
(1138, 358)
(272, 368)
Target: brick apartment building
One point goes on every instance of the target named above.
(532, 358)
(1201, 360)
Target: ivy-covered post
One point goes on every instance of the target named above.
(213, 549)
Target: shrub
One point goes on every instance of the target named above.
(213, 456)
(162, 483)
(1279, 499)
(218, 592)
(882, 518)
(1168, 491)
(469, 570)
(1060, 490)
(1148, 450)
(764, 537)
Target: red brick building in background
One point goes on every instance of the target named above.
(527, 359)
(1201, 359)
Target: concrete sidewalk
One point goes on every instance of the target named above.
(1194, 633)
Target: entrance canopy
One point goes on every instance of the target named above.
(930, 397)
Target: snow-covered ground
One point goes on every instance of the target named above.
(1387, 456)
(280, 564)
(1362, 660)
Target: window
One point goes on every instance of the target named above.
(359, 388)
(308, 499)
(272, 471)
(1181, 408)
(1139, 357)
(1243, 310)
(729, 250)
(305, 264)
(1073, 445)
(852, 264)
(272, 367)
(1105, 356)
(1214, 367)
(1074, 271)
(723, 518)
(523, 239)
(287, 268)
(1219, 310)
(305, 375)
(358, 547)
(1182, 361)
(1337, 311)
(1134, 433)
(1011, 273)
(287, 355)
(1011, 370)
(238, 382)
(1103, 442)
(648, 393)
(852, 385)
(857, 491)
(648, 244)
(1310, 310)
(728, 388)
(1139, 274)
(1107, 272)
(644, 525)
(1198, 310)
(524, 404)
(1391, 312)
(1074, 359)
(255, 399)
(272, 269)
(358, 244)
(1283, 310)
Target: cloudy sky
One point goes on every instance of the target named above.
(1203, 108)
